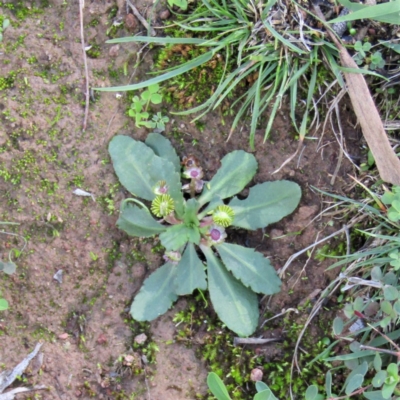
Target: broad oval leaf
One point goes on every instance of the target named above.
(374, 395)
(337, 326)
(236, 305)
(379, 378)
(217, 387)
(390, 293)
(3, 304)
(163, 148)
(354, 383)
(136, 221)
(8, 267)
(311, 393)
(139, 169)
(236, 171)
(250, 267)
(156, 294)
(265, 395)
(190, 273)
(266, 203)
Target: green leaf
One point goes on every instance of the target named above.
(328, 384)
(156, 295)
(250, 267)
(156, 98)
(386, 12)
(377, 362)
(161, 40)
(266, 203)
(217, 387)
(187, 66)
(236, 305)
(354, 383)
(153, 88)
(337, 326)
(390, 293)
(3, 304)
(374, 395)
(311, 393)
(136, 221)
(265, 395)
(190, 218)
(163, 148)
(237, 170)
(379, 378)
(177, 236)
(8, 267)
(261, 386)
(190, 273)
(139, 170)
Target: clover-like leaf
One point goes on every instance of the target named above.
(236, 171)
(156, 295)
(136, 221)
(190, 272)
(250, 267)
(235, 304)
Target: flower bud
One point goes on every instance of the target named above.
(161, 188)
(223, 215)
(162, 205)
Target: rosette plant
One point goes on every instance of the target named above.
(193, 217)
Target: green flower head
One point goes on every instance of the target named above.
(223, 215)
(162, 205)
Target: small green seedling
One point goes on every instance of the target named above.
(392, 198)
(3, 27)
(8, 268)
(219, 390)
(140, 105)
(182, 4)
(373, 61)
(198, 214)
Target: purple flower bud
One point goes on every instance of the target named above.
(217, 234)
(193, 173)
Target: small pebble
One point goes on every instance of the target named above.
(164, 14)
(140, 339)
(256, 375)
(63, 336)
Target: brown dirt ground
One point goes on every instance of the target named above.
(45, 156)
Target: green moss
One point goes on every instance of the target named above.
(94, 51)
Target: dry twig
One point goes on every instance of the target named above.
(364, 107)
(87, 94)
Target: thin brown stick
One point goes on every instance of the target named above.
(387, 163)
(87, 94)
(141, 19)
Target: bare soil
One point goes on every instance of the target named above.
(45, 156)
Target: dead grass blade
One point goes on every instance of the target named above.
(371, 124)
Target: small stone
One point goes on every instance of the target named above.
(114, 50)
(140, 339)
(78, 393)
(131, 22)
(164, 14)
(102, 339)
(128, 360)
(256, 375)
(63, 336)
